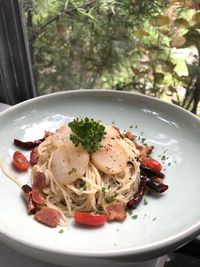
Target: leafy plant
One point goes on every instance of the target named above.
(120, 45)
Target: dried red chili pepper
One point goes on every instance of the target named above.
(156, 186)
(28, 144)
(150, 172)
(132, 204)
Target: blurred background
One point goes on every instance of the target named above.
(149, 47)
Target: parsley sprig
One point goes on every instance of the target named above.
(87, 132)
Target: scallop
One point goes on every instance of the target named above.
(61, 136)
(69, 162)
(111, 132)
(111, 158)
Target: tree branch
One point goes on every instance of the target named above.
(57, 17)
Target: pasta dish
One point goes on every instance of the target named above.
(87, 170)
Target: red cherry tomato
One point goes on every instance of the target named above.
(90, 219)
(152, 164)
(20, 161)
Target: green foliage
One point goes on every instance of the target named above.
(120, 45)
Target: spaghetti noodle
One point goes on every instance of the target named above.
(95, 188)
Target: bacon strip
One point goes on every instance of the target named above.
(48, 216)
(28, 197)
(129, 135)
(145, 151)
(37, 197)
(39, 179)
(34, 156)
(115, 211)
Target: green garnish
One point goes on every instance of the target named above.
(134, 217)
(99, 209)
(145, 202)
(110, 200)
(87, 132)
(61, 231)
(154, 219)
(72, 171)
(115, 194)
(163, 157)
(103, 189)
(116, 182)
(83, 188)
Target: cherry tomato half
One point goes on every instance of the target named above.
(90, 219)
(20, 161)
(152, 164)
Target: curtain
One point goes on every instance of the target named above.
(16, 76)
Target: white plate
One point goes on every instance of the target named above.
(166, 222)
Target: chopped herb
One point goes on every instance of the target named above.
(136, 126)
(154, 219)
(87, 132)
(61, 231)
(145, 202)
(110, 200)
(143, 139)
(115, 194)
(169, 164)
(103, 189)
(130, 212)
(116, 182)
(131, 126)
(73, 170)
(163, 157)
(134, 216)
(83, 188)
(99, 209)
(129, 178)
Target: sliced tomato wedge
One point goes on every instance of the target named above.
(152, 164)
(90, 219)
(20, 161)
